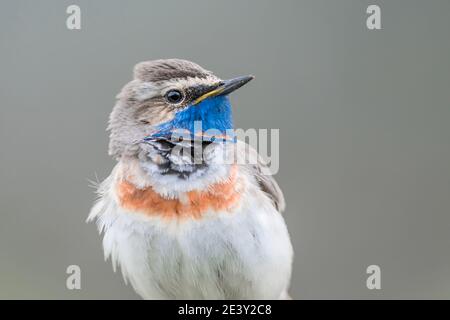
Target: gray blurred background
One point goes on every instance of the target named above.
(363, 117)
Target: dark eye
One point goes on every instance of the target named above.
(174, 96)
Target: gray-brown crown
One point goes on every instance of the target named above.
(166, 69)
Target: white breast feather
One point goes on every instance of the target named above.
(245, 254)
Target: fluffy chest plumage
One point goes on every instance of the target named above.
(220, 197)
(240, 252)
(244, 254)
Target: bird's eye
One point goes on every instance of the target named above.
(174, 96)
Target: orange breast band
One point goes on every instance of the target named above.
(221, 196)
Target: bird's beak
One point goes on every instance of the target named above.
(225, 87)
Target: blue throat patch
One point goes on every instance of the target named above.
(214, 114)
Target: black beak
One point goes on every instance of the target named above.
(225, 87)
(229, 86)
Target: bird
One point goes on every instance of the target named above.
(181, 214)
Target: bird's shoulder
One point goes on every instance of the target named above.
(258, 168)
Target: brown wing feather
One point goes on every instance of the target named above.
(258, 168)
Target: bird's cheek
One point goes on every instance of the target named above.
(163, 115)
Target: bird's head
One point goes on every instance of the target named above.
(168, 97)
